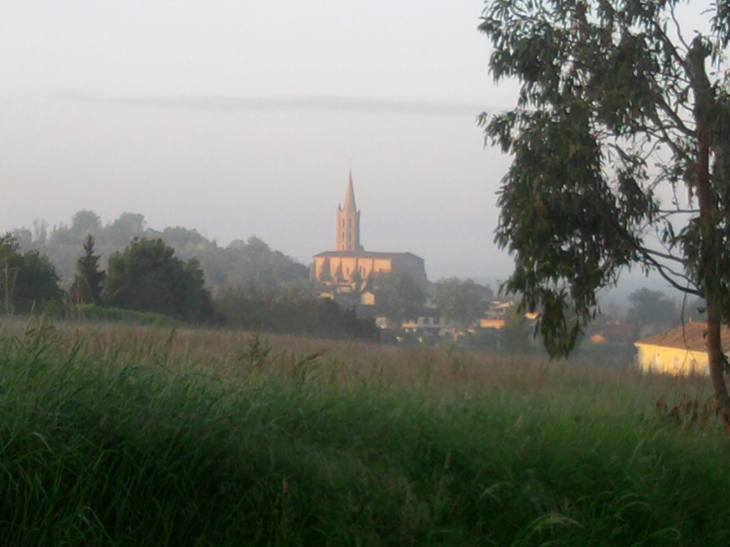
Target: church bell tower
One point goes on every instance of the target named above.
(348, 222)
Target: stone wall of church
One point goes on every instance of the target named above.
(332, 268)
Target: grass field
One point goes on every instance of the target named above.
(144, 436)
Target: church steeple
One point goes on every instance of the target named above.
(348, 221)
(349, 196)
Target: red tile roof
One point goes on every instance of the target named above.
(691, 336)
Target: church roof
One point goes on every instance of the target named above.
(349, 196)
(363, 254)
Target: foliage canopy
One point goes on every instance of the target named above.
(398, 296)
(89, 280)
(461, 301)
(652, 307)
(26, 279)
(290, 311)
(621, 147)
(244, 262)
(147, 277)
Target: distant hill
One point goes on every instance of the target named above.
(249, 263)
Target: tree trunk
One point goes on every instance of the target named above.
(704, 98)
(717, 365)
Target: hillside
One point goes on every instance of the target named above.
(244, 263)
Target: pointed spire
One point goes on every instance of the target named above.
(349, 204)
(348, 221)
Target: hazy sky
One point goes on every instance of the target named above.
(242, 117)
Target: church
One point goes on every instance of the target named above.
(349, 269)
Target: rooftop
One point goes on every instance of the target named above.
(691, 336)
(364, 254)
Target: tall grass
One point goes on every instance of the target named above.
(141, 436)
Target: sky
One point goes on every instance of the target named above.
(238, 117)
(243, 117)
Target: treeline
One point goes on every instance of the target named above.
(258, 288)
(241, 262)
(291, 312)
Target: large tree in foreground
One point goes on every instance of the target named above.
(619, 106)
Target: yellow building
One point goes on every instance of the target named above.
(355, 268)
(681, 350)
(350, 269)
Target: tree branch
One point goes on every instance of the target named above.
(678, 57)
(666, 256)
(662, 270)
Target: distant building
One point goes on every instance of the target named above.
(681, 350)
(352, 271)
(497, 314)
(431, 322)
(348, 222)
(347, 273)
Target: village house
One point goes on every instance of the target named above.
(430, 322)
(680, 351)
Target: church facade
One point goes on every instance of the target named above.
(349, 269)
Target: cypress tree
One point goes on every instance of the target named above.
(89, 280)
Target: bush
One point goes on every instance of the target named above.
(285, 313)
(91, 312)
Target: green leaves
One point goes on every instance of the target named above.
(89, 280)
(461, 301)
(398, 296)
(604, 86)
(563, 221)
(26, 279)
(147, 277)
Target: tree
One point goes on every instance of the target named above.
(652, 307)
(695, 310)
(26, 278)
(84, 222)
(40, 231)
(514, 337)
(398, 296)
(461, 301)
(242, 261)
(147, 277)
(617, 107)
(89, 280)
(125, 228)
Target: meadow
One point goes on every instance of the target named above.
(153, 436)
